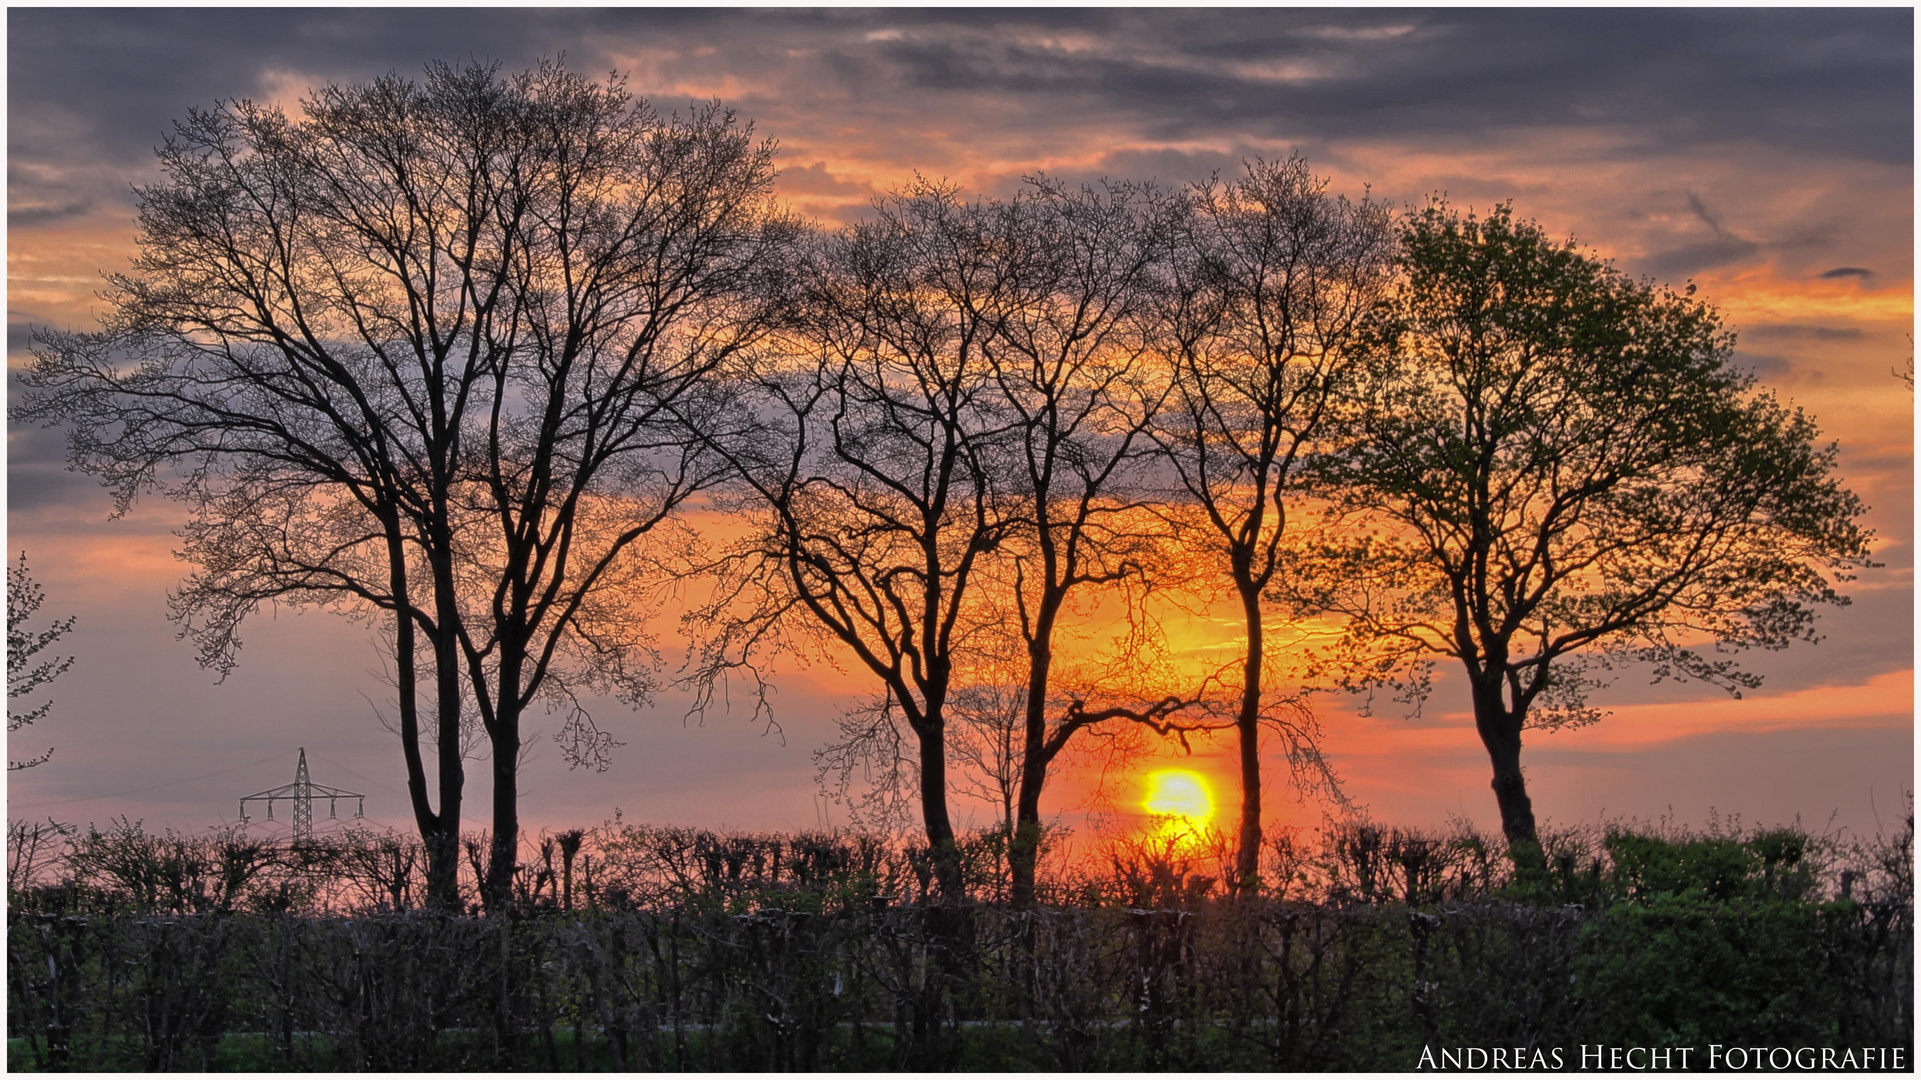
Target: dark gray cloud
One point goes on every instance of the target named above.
(20, 332)
(1767, 367)
(1847, 272)
(38, 477)
(93, 90)
(1816, 81)
(1827, 81)
(130, 73)
(1690, 259)
(1801, 332)
(26, 216)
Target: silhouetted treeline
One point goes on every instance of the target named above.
(484, 357)
(646, 948)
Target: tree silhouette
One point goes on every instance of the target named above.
(427, 351)
(874, 493)
(1274, 277)
(1072, 355)
(27, 671)
(1562, 471)
(954, 455)
(649, 267)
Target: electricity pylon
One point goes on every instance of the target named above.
(302, 793)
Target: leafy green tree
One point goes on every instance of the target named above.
(1561, 471)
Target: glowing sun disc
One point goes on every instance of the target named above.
(1178, 793)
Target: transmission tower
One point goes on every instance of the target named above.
(301, 793)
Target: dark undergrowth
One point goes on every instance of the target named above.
(634, 948)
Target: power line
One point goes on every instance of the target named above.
(388, 788)
(137, 790)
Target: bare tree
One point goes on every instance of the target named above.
(1071, 355)
(1274, 277)
(869, 770)
(650, 265)
(27, 670)
(295, 357)
(982, 378)
(869, 763)
(874, 491)
(1561, 469)
(401, 356)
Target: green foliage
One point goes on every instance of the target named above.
(1551, 468)
(1683, 969)
(1648, 869)
(1710, 938)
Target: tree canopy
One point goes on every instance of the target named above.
(1561, 468)
(1274, 279)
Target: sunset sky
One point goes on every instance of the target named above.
(1765, 155)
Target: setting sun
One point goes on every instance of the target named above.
(1181, 798)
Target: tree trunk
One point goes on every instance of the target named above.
(1500, 729)
(933, 809)
(503, 735)
(1023, 852)
(447, 754)
(439, 832)
(442, 848)
(506, 840)
(1247, 861)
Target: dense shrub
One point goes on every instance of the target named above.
(643, 948)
